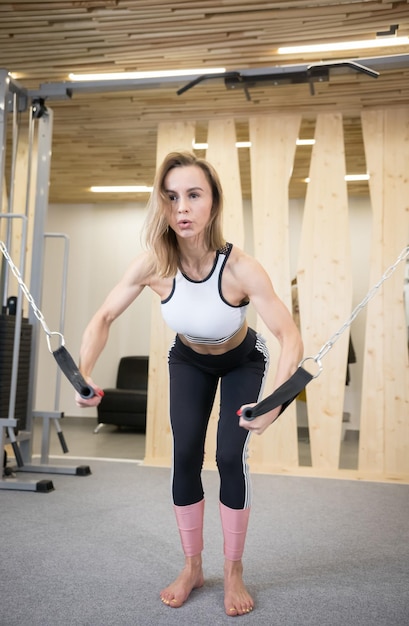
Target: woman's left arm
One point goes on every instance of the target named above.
(272, 310)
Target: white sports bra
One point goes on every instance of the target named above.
(197, 308)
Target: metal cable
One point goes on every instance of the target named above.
(371, 293)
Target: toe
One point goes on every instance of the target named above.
(232, 611)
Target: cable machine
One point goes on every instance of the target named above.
(19, 334)
(16, 100)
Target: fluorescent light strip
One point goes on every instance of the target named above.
(148, 189)
(305, 142)
(122, 189)
(139, 75)
(247, 144)
(348, 177)
(383, 42)
(204, 146)
(353, 177)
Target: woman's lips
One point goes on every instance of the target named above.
(184, 224)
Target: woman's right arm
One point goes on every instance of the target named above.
(96, 333)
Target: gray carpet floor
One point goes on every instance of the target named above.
(98, 549)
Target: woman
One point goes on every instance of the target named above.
(205, 286)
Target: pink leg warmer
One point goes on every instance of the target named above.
(190, 523)
(234, 524)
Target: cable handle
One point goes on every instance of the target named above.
(67, 365)
(61, 354)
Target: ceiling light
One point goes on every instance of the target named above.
(305, 142)
(122, 189)
(353, 177)
(204, 146)
(137, 75)
(247, 144)
(345, 45)
(348, 177)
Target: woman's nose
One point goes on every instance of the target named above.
(183, 205)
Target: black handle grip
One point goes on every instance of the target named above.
(67, 365)
(283, 395)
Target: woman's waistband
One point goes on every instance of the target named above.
(221, 359)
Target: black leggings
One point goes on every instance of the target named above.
(193, 383)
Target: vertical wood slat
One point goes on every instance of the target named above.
(384, 426)
(273, 144)
(222, 154)
(172, 136)
(325, 287)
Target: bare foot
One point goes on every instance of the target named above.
(191, 577)
(237, 600)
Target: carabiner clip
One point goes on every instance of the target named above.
(316, 360)
(49, 335)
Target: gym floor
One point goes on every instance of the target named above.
(114, 443)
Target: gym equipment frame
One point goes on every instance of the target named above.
(14, 100)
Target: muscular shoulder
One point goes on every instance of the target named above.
(242, 265)
(145, 272)
(238, 259)
(247, 272)
(141, 270)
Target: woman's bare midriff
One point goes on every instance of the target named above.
(221, 348)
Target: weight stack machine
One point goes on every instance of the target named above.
(7, 330)
(25, 129)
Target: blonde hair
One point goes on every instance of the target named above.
(159, 237)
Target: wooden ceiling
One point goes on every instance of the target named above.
(110, 137)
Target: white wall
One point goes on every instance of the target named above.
(103, 241)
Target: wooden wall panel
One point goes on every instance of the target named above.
(325, 288)
(158, 449)
(273, 144)
(222, 154)
(384, 429)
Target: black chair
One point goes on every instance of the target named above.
(125, 405)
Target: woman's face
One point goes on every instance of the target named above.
(190, 200)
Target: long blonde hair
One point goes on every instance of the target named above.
(159, 237)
